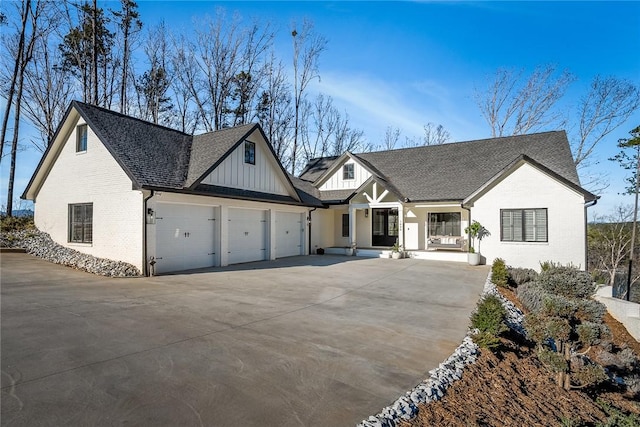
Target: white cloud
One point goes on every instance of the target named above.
(373, 104)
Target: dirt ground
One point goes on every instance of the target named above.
(512, 388)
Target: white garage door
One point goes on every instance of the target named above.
(247, 235)
(185, 237)
(289, 234)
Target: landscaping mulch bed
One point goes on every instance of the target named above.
(512, 388)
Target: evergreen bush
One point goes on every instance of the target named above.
(499, 273)
(489, 320)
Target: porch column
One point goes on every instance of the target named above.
(352, 226)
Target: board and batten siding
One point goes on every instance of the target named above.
(94, 177)
(335, 181)
(265, 176)
(530, 188)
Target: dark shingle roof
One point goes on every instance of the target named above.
(158, 157)
(209, 148)
(309, 194)
(316, 167)
(150, 154)
(454, 171)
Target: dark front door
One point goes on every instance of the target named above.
(385, 227)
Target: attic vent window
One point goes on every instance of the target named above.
(250, 152)
(348, 171)
(81, 138)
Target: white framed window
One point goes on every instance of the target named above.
(81, 138)
(348, 171)
(523, 225)
(81, 223)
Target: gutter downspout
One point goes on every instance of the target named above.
(145, 265)
(586, 224)
(310, 229)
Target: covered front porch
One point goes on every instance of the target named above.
(431, 255)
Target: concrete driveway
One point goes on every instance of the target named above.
(305, 341)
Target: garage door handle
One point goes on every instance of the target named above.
(212, 253)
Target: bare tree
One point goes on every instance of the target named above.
(87, 50)
(29, 33)
(346, 138)
(609, 239)
(435, 134)
(48, 92)
(16, 55)
(515, 104)
(318, 126)
(129, 24)
(257, 40)
(191, 106)
(307, 47)
(608, 104)
(274, 112)
(391, 138)
(218, 55)
(152, 87)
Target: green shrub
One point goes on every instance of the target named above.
(486, 340)
(499, 273)
(617, 418)
(589, 375)
(590, 333)
(16, 223)
(531, 296)
(561, 318)
(589, 310)
(489, 319)
(520, 276)
(566, 281)
(548, 265)
(489, 315)
(555, 362)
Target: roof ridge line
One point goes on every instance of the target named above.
(460, 142)
(107, 110)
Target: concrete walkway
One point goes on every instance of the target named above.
(305, 341)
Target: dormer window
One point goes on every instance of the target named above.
(81, 138)
(348, 171)
(250, 152)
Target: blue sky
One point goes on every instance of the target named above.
(404, 64)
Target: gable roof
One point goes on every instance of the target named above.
(158, 157)
(150, 154)
(209, 149)
(454, 171)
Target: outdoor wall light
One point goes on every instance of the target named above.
(366, 213)
(151, 218)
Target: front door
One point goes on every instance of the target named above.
(385, 227)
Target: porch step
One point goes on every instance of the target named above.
(454, 256)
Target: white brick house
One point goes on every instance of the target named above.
(117, 187)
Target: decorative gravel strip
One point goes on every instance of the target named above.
(40, 244)
(449, 371)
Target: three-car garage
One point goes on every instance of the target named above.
(186, 236)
